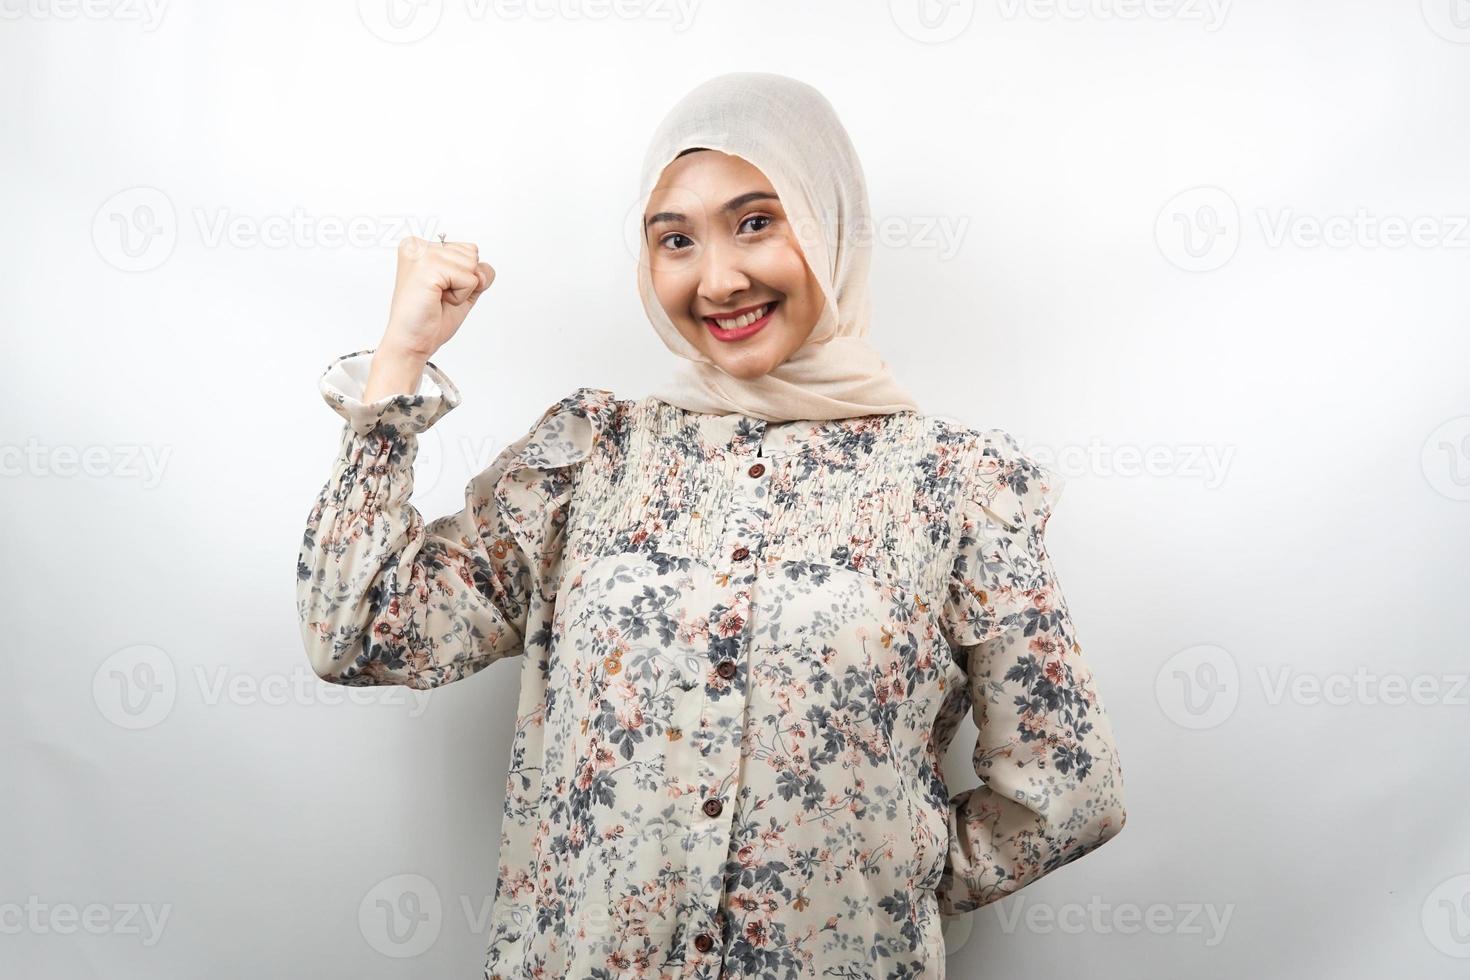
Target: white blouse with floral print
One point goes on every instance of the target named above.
(745, 648)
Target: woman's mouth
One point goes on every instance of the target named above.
(740, 327)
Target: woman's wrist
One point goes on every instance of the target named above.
(394, 372)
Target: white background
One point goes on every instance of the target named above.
(1210, 259)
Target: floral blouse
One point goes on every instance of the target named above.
(745, 647)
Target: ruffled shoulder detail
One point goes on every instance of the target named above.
(1011, 485)
(533, 478)
(1001, 574)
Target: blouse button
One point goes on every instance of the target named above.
(757, 469)
(704, 942)
(741, 553)
(726, 669)
(713, 807)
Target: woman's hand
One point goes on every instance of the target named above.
(436, 287)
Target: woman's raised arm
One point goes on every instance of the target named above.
(383, 596)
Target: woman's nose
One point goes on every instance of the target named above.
(720, 274)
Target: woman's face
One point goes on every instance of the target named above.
(719, 245)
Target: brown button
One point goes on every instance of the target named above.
(713, 807)
(704, 942)
(726, 669)
(741, 553)
(757, 469)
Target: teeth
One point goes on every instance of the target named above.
(746, 320)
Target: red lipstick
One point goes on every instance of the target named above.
(720, 333)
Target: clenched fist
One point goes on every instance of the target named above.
(437, 285)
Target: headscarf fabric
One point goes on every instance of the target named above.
(790, 132)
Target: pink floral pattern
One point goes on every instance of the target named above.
(745, 646)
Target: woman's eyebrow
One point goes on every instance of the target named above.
(731, 205)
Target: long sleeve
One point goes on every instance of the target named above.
(1052, 783)
(385, 597)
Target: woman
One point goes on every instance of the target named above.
(752, 607)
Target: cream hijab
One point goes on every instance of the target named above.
(791, 133)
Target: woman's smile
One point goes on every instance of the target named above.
(741, 323)
(725, 266)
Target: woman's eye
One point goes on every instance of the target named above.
(758, 217)
(669, 238)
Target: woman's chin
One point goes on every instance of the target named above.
(747, 363)
(747, 368)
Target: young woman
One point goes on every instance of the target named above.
(752, 607)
